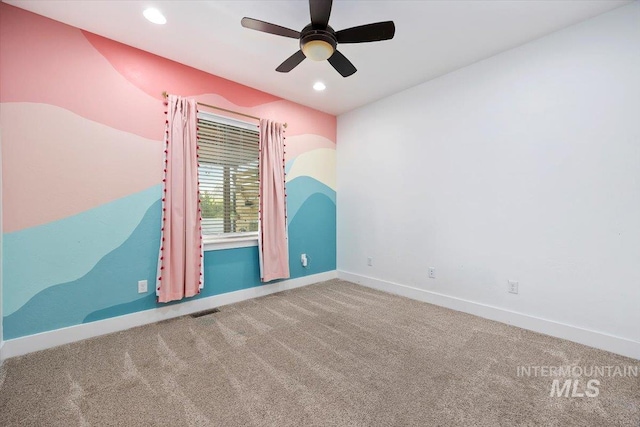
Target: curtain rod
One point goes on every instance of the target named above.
(165, 94)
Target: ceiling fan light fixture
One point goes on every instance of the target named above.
(319, 86)
(317, 50)
(318, 41)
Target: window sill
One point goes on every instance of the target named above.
(218, 244)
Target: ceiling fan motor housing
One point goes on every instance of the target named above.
(318, 44)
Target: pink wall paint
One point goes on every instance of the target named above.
(151, 72)
(135, 66)
(99, 113)
(46, 62)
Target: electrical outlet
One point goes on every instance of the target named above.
(304, 260)
(370, 262)
(513, 287)
(142, 286)
(432, 272)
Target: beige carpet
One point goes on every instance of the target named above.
(331, 354)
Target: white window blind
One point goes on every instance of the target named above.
(228, 175)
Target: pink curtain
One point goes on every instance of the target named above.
(181, 253)
(272, 232)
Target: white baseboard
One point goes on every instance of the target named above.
(44, 340)
(618, 345)
(1, 352)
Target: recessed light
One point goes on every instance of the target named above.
(319, 86)
(154, 15)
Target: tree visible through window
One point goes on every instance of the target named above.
(228, 175)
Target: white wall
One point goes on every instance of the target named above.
(525, 166)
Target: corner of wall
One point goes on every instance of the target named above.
(500, 176)
(588, 337)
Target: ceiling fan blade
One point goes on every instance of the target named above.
(291, 62)
(342, 64)
(320, 11)
(266, 27)
(367, 33)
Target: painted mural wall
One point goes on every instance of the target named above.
(82, 121)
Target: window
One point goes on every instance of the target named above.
(228, 175)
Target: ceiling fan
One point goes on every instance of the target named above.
(318, 41)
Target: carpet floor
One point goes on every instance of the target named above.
(330, 354)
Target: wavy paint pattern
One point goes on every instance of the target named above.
(319, 164)
(299, 144)
(64, 250)
(82, 121)
(175, 77)
(300, 189)
(106, 290)
(46, 62)
(235, 269)
(106, 284)
(68, 164)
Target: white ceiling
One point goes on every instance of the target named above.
(432, 38)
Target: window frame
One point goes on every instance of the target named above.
(239, 240)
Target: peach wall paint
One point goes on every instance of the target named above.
(298, 144)
(85, 169)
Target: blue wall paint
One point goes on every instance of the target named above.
(112, 281)
(313, 232)
(109, 289)
(230, 270)
(236, 269)
(224, 271)
(65, 250)
(300, 189)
